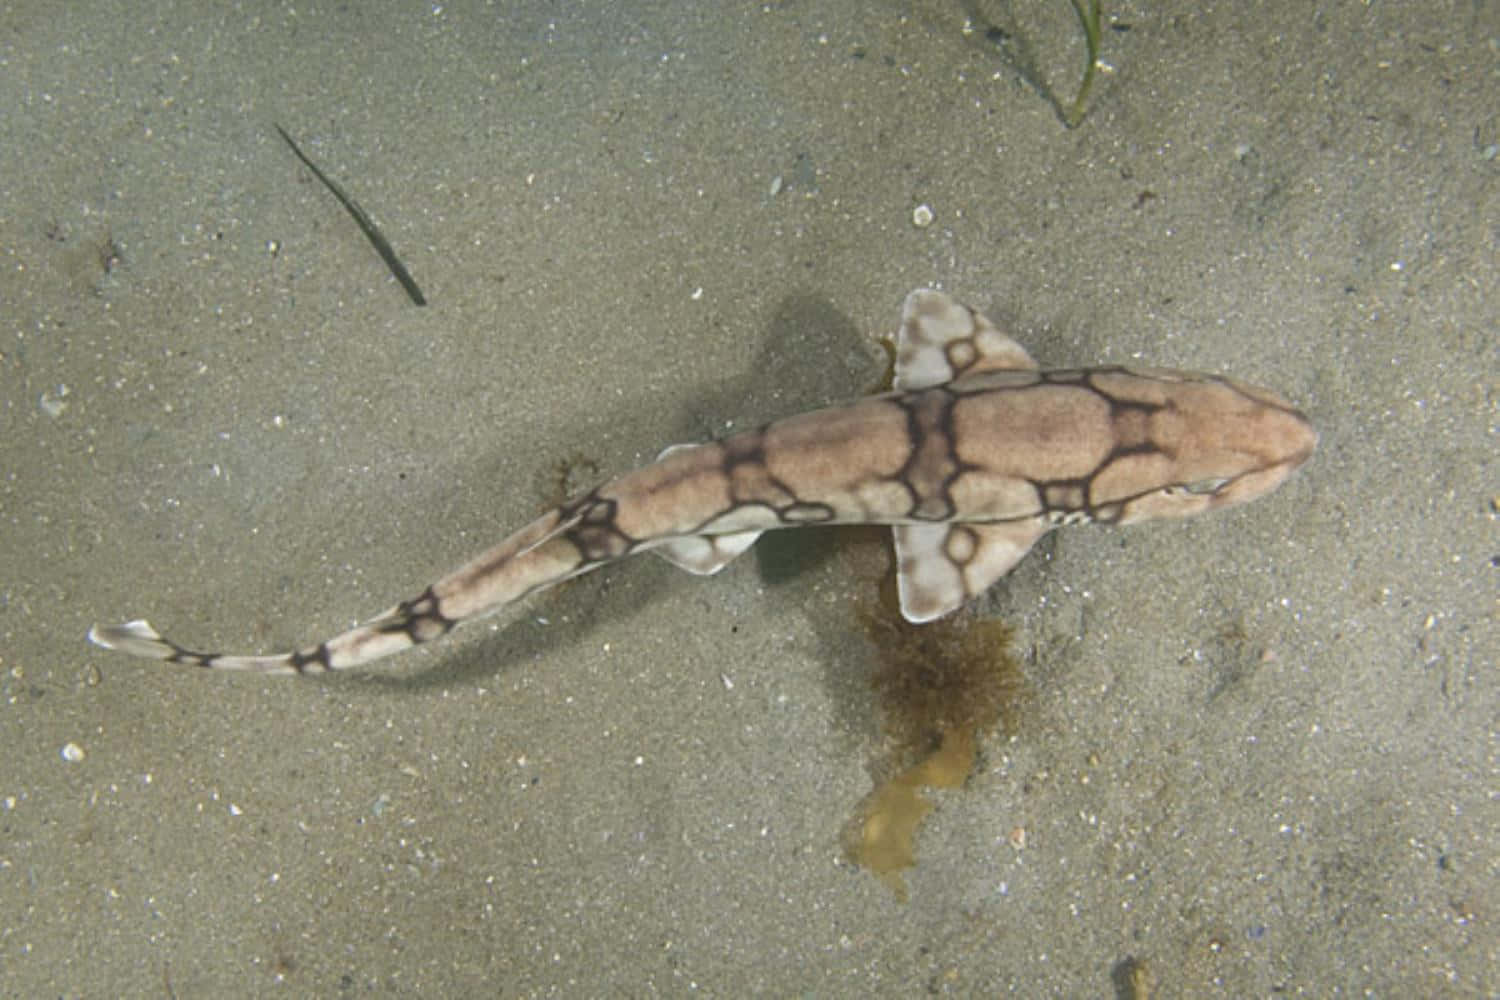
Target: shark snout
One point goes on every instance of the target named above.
(1297, 438)
(1280, 441)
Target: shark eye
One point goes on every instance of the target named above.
(1200, 487)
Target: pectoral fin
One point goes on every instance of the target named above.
(941, 340)
(940, 566)
(705, 554)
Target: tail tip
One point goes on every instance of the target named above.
(116, 636)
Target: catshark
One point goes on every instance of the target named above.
(975, 454)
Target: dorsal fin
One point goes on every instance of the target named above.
(942, 340)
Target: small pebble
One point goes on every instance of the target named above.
(921, 216)
(72, 753)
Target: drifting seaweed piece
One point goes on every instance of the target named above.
(940, 686)
(1088, 15)
(1015, 47)
(366, 224)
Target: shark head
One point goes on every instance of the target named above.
(1209, 442)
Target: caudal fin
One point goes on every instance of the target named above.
(138, 638)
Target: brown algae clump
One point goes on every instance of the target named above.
(940, 686)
